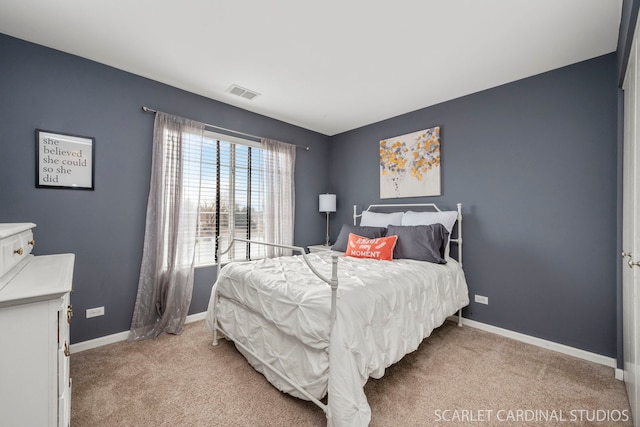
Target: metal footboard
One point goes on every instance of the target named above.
(331, 281)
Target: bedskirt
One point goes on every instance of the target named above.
(307, 366)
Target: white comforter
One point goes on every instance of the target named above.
(384, 311)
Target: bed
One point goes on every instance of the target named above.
(321, 324)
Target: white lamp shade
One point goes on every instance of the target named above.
(327, 203)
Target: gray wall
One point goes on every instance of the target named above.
(534, 163)
(47, 89)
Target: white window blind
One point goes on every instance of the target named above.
(231, 199)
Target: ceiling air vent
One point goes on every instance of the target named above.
(242, 92)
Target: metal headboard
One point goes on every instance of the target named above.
(404, 206)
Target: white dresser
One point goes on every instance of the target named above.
(35, 314)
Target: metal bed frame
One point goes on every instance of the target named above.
(331, 281)
(457, 240)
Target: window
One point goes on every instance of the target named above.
(231, 198)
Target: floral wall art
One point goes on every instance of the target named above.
(410, 165)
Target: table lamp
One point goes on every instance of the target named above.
(327, 204)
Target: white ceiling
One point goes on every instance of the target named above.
(331, 65)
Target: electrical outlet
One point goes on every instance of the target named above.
(482, 299)
(94, 312)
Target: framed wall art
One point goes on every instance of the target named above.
(410, 165)
(64, 160)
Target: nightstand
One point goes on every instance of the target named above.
(318, 248)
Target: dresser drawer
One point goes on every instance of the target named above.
(16, 243)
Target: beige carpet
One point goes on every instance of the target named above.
(458, 376)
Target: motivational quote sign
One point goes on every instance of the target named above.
(64, 160)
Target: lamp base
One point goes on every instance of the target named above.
(326, 241)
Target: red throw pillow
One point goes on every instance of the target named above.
(363, 247)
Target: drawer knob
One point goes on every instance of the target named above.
(69, 313)
(18, 251)
(32, 242)
(66, 349)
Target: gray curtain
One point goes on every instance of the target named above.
(166, 274)
(280, 163)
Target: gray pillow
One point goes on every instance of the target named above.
(420, 242)
(360, 230)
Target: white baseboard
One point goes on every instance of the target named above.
(98, 342)
(120, 336)
(539, 342)
(196, 317)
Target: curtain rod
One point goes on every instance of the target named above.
(151, 110)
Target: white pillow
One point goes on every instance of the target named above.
(377, 219)
(446, 218)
